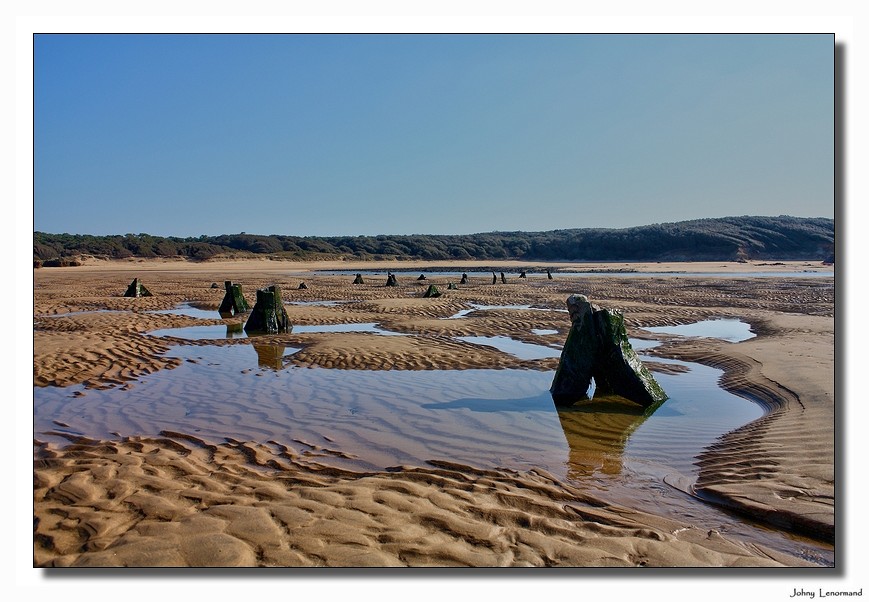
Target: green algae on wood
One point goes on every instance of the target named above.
(137, 289)
(233, 301)
(597, 347)
(268, 314)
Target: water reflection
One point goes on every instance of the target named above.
(597, 432)
(542, 403)
(273, 356)
(235, 331)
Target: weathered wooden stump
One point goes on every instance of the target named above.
(421, 277)
(268, 314)
(522, 275)
(494, 278)
(549, 274)
(358, 279)
(302, 286)
(233, 300)
(597, 347)
(137, 289)
(464, 279)
(391, 280)
(503, 278)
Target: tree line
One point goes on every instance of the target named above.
(713, 239)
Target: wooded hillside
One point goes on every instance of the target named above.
(718, 239)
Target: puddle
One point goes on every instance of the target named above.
(520, 349)
(730, 330)
(543, 331)
(475, 307)
(185, 309)
(643, 344)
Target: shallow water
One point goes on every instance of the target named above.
(730, 330)
(408, 277)
(476, 307)
(185, 309)
(543, 331)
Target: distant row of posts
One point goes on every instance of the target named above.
(392, 281)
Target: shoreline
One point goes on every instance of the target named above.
(810, 495)
(582, 267)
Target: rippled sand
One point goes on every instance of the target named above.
(178, 500)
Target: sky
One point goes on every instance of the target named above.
(324, 135)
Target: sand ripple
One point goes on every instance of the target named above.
(177, 501)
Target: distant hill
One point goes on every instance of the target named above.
(717, 239)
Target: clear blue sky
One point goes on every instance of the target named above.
(183, 135)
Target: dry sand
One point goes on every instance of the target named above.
(178, 500)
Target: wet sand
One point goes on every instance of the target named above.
(178, 500)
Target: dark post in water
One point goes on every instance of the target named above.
(597, 347)
(268, 315)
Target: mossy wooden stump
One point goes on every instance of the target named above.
(268, 314)
(233, 301)
(597, 347)
(137, 289)
(432, 291)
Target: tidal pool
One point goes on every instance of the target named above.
(185, 309)
(543, 331)
(476, 307)
(726, 329)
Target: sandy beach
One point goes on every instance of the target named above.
(178, 498)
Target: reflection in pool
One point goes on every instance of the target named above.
(730, 330)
